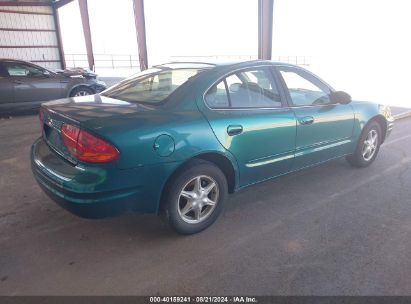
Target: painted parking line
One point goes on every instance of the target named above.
(396, 140)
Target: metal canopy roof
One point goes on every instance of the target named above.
(265, 24)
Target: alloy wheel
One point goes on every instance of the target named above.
(198, 199)
(370, 145)
(81, 93)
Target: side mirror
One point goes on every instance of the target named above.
(46, 73)
(340, 97)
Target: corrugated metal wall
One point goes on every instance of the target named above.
(29, 33)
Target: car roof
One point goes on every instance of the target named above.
(214, 64)
(10, 59)
(18, 61)
(194, 64)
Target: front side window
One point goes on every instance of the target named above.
(22, 70)
(151, 86)
(304, 88)
(245, 89)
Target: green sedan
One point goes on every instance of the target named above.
(176, 139)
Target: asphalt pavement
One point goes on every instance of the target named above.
(328, 230)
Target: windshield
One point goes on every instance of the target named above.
(151, 86)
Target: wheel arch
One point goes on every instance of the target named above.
(224, 164)
(81, 85)
(382, 122)
(218, 159)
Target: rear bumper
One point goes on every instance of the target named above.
(101, 207)
(94, 191)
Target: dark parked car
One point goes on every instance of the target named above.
(24, 85)
(177, 138)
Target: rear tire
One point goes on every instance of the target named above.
(195, 197)
(81, 91)
(367, 147)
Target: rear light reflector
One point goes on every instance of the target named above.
(70, 135)
(87, 147)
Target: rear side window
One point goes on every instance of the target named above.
(151, 86)
(254, 88)
(217, 96)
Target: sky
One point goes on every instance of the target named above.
(359, 46)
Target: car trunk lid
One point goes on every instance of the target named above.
(52, 123)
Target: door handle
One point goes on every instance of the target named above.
(17, 81)
(234, 130)
(307, 120)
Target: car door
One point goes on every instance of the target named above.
(324, 130)
(245, 110)
(32, 84)
(6, 88)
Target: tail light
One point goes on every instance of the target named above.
(87, 147)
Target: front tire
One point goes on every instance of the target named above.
(81, 91)
(195, 197)
(368, 146)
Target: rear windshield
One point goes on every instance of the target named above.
(151, 86)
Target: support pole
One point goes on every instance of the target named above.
(58, 34)
(87, 32)
(60, 3)
(265, 28)
(139, 21)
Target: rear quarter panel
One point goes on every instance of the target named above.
(170, 136)
(136, 136)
